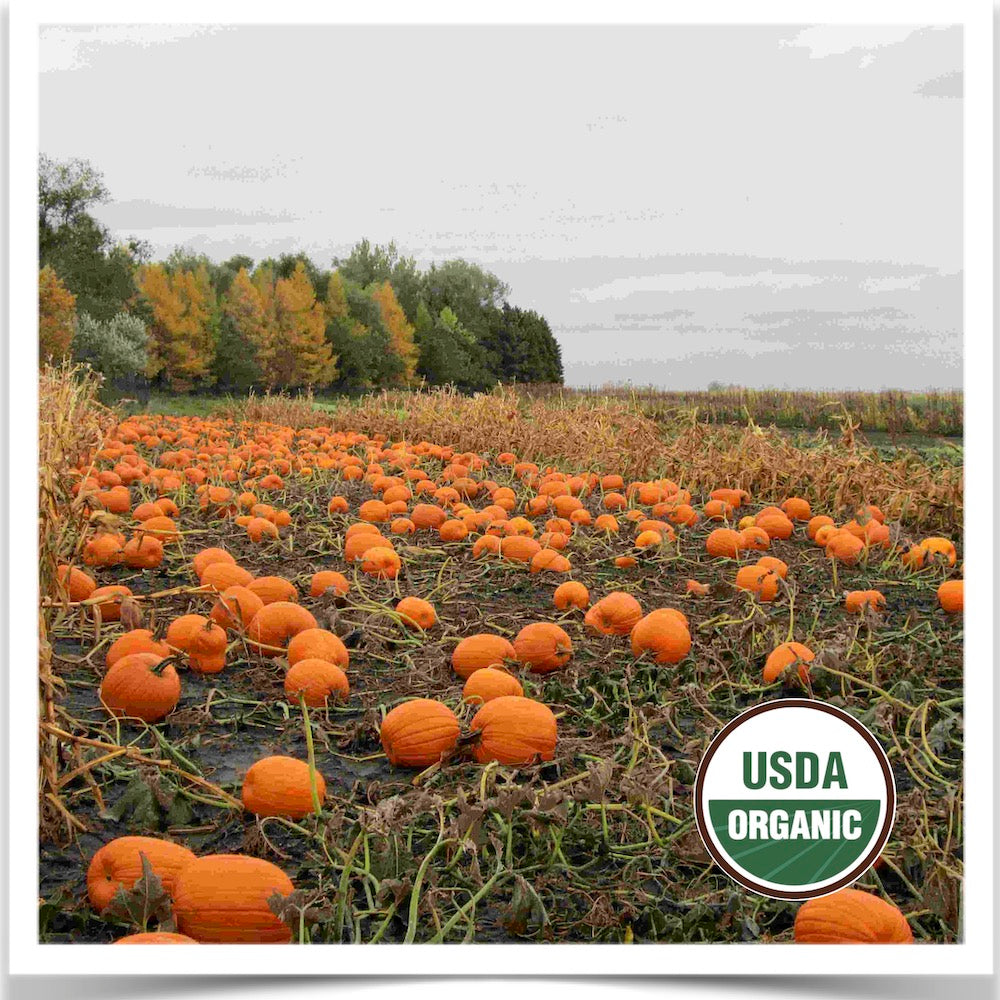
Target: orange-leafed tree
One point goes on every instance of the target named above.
(245, 307)
(398, 327)
(56, 317)
(293, 350)
(183, 319)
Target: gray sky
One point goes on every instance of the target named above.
(767, 206)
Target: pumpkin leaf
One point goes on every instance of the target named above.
(298, 910)
(526, 908)
(146, 900)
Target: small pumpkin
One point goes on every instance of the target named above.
(857, 600)
(416, 613)
(491, 682)
(235, 608)
(139, 640)
(616, 613)
(281, 786)
(77, 584)
(139, 687)
(571, 594)
(784, 656)
(951, 596)
(664, 633)
(326, 580)
(317, 681)
(275, 624)
(724, 543)
(271, 589)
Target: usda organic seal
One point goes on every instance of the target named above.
(795, 799)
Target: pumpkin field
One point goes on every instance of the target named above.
(441, 668)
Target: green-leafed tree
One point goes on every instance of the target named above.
(520, 347)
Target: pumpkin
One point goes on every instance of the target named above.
(951, 596)
(138, 687)
(357, 545)
(718, 510)
(491, 682)
(664, 633)
(104, 549)
(774, 564)
(514, 730)
(222, 575)
(318, 644)
(416, 613)
(427, 516)
(815, 523)
(616, 613)
(271, 589)
(281, 786)
(776, 524)
(337, 505)
(549, 561)
(317, 680)
(206, 557)
(417, 733)
(758, 580)
(222, 898)
(155, 937)
(519, 548)
(111, 609)
(783, 656)
(755, 539)
(275, 624)
(77, 584)
(844, 547)
(139, 640)
(797, 509)
(204, 641)
(235, 608)
(858, 600)
(118, 865)
(850, 916)
(696, 589)
(452, 530)
(571, 594)
(326, 580)
(259, 528)
(482, 650)
(939, 550)
(143, 551)
(724, 543)
(543, 646)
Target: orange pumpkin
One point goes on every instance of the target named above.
(482, 650)
(281, 786)
(784, 656)
(850, 916)
(491, 682)
(138, 687)
(543, 646)
(571, 594)
(118, 865)
(317, 681)
(417, 733)
(222, 898)
(616, 613)
(514, 730)
(664, 633)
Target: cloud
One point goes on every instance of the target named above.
(909, 283)
(690, 281)
(824, 40)
(141, 214)
(65, 47)
(241, 172)
(947, 85)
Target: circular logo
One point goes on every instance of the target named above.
(795, 799)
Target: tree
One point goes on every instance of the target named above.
(242, 325)
(449, 354)
(520, 347)
(98, 271)
(293, 350)
(181, 309)
(372, 265)
(398, 327)
(116, 348)
(56, 317)
(473, 294)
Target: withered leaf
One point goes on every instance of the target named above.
(146, 900)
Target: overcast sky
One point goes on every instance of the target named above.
(762, 206)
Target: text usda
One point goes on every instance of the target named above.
(794, 799)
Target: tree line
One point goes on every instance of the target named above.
(372, 319)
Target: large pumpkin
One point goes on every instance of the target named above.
(138, 687)
(418, 732)
(222, 899)
(514, 730)
(482, 650)
(851, 916)
(118, 865)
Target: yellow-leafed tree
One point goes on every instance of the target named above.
(245, 307)
(56, 317)
(182, 327)
(398, 327)
(292, 350)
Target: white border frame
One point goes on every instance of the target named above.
(974, 955)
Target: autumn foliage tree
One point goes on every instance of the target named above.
(56, 317)
(292, 349)
(181, 310)
(398, 327)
